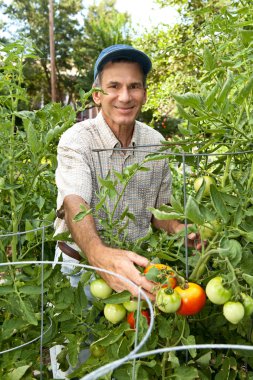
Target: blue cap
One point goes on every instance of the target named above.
(122, 51)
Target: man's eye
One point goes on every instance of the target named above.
(136, 86)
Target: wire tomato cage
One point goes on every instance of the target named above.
(135, 354)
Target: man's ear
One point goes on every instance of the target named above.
(145, 97)
(96, 98)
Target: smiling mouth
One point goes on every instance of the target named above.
(124, 109)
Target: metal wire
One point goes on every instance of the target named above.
(134, 354)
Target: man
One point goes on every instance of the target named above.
(121, 72)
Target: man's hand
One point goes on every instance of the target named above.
(123, 263)
(174, 227)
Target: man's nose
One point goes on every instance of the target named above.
(124, 94)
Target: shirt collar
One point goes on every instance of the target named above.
(110, 141)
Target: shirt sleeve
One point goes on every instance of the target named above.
(73, 173)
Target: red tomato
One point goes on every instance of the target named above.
(193, 299)
(166, 273)
(131, 318)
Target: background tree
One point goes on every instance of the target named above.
(176, 52)
(32, 18)
(79, 37)
(103, 26)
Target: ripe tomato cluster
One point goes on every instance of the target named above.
(186, 298)
(173, 295)
(220, 293)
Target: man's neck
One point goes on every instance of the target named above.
(124, 135)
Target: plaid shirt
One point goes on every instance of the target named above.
(86, 151)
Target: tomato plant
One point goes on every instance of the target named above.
(131, 318)
(216, 292)
(114, 313)
(161, 273)
(100, 289)
(168, 300)
(193, 298)
(233, 311)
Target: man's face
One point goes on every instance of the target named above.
(125, 93)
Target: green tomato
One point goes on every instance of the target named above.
(233, 311)
(100, 289)
(114, 313)
(97, 350)
(208, 230)
(131, 305)
(208, 181)
(168, 302)
(216, 292)
(247, 303)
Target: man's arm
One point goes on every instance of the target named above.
(119, 261)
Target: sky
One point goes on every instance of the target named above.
(144, 13)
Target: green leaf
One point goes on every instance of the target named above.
(226, 88)
(218, 203)
(231, 249)
(81, 215)
(245, 91)
(247, 235)
(11, 327)
(85, 277)
(17, 373)
(246, 36)
(114, 335)
(118, 297)
(190, 340)
(32, 290)
(189, 100)
(204, 360)
(165, 327)
(209, 60)
(192, 211)
(28, 313)
(6, 289)
(156, 157)
(163, 215)
(176, 205)
(209, 100)
(33, 140)
(74, 342)
(80, 299)
(223, 374)
(185, 372)
(29, 228)
(248, 279)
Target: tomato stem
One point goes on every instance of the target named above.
(200, 267)
(234, 282)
